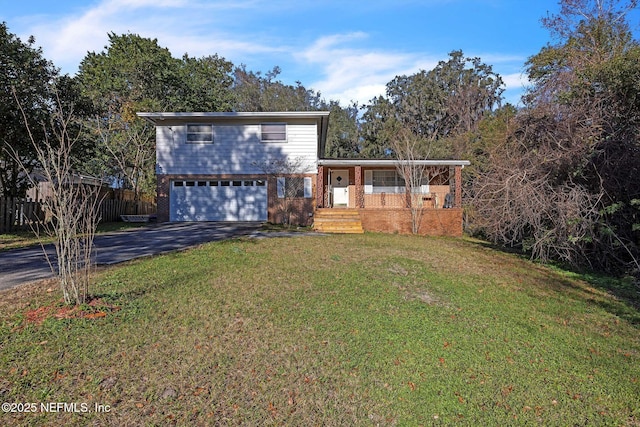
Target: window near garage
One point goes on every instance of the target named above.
(202, 183)
(224, 183)
(248, 183)
(260, 183)
(273, 132)
(200, 134)
(178, 184)
(294, 187)
(213, 183)
(237, 183)
(190, 183)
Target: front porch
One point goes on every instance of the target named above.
(375, 190)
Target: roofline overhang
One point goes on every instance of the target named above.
(155, 117)
(389, 162)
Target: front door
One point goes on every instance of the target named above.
(340, 185)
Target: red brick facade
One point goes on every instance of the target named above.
(389, 219)
(301, 209)
(434, 222)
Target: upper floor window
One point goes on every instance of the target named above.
(200, 134)
(273, 132)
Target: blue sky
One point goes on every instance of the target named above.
(346, 49)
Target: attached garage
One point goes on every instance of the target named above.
(218, 200)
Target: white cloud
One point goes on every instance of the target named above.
(177, 24)
(515, 80)
(357, 74)
(515, 84)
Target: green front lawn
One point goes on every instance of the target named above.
(329, 330)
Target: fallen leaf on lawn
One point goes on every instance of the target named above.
(507, 390)
(272, 409)
(95, 315)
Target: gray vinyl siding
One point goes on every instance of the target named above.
(236, 148)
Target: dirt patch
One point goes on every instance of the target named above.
(94, 309)
(423, 296)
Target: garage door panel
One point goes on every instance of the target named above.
(218, 203)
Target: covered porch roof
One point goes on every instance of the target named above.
(388, 162)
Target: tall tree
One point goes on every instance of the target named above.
(343, 136)
(205, 84)
(132, 69)
(435, 105)
(257, 92)
(25, 80)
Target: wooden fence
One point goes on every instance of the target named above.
(21, 214)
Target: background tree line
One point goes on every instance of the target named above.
(557, 177)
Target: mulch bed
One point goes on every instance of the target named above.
(94, 309)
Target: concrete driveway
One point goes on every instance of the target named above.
(26, 265)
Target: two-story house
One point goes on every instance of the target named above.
(223, 167)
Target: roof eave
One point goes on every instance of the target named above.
(389, 162)
(154, 117)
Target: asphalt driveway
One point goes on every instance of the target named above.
(26, 265)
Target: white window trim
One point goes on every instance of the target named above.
(308, 187)
(369, 188)
(280, 187)
(270, 141)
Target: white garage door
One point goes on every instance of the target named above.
(218, 200)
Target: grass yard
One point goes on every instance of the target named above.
(328, 330)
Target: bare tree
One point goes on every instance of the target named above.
(288, 174)
(523, 202)
(408, 149)
(130, 146)
(72, 208)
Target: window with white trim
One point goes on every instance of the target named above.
(383, 181)
(294, 187)
(273, 132)
(390, 181)
(200, 134)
